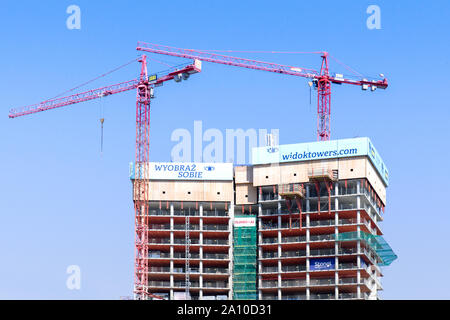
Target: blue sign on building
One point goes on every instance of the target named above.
(321, 150)
(321, 264)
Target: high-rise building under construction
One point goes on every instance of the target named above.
(302, 222)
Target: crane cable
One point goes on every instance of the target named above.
(277, 52)
(102, 120)
(346, 66)
(96, 78)
(290, 52)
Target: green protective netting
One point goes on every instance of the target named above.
(245, 296)
(384, 252)
(244, 263)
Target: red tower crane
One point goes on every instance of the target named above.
(145, 85)
(321, 79)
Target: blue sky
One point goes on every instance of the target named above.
(63, 204)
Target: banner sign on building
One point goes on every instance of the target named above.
(245, 222)
(322, 264)
(187, 171)
(321, 150)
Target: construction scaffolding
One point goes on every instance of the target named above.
(244, 262)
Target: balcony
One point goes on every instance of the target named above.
(269, 297)
(159, 212)
(321, 252)
(268, 196)
(216, 256)
(293, 254)
(322, 223)
(269, 212)
(293, 239)
(159, 241)
(347, 281)
(215, 270)
(155, 269)
(313, 206)
(371, 199)
(343, 251)
(269, 226)
(348, 266)
(182, 255)
(220, 242)
(373, 258)
(183, 227)
(350, 189)
(269, 284)
(215, 213)
(183, 270)
(159, 227)
(343, 222)
(270, 269)
(192, 213)
(269, 240)
(178, 270)
(183, 241)
(158, 255)
(352, 296)
(322, 296)
(270, 255)
(294, 283)
(182, 284)
(215, 284)
(322, 282)
(159, 284)
(321, 237)
(293, 297)
(215, 227)
(292, 225)
(293, 268)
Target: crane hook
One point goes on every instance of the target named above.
(101, 138)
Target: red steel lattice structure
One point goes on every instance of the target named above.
(321, 79)
(144, 86)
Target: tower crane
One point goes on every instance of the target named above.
(144, 85)
(321, 79)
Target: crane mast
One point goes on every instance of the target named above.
(141, 187)
(323, 101)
